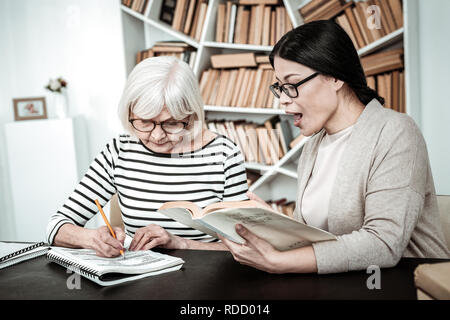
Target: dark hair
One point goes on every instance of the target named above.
(326, 48)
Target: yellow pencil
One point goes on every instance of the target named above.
(107, 223)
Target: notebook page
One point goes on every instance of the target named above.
(7, 248)
(134, 262)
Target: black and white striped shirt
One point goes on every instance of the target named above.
(144, 180)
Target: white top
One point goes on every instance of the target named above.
(317, 193)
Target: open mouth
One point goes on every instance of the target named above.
(297, 118)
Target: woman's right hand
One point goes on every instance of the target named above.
(104, 243)
(254, 197)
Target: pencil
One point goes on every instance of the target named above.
(107, 223)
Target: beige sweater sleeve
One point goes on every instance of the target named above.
(393, 202)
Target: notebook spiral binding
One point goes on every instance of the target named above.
(69, 264)
(34, 246)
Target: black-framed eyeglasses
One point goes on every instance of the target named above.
(288, 88)
(171, 127)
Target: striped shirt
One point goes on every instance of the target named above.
(144, 180)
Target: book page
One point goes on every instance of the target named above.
(231, 204)
(281, 231)
(9, 248)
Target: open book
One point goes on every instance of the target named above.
(281, 231)
(110, 271)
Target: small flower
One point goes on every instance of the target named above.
(56, 85)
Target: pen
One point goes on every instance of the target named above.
(107, 223)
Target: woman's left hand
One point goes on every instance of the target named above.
(152, 236)
(255, 252)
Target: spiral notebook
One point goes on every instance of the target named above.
(12, 252)
(111, 271)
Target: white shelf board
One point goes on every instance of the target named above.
(276, 168)
(287, 172)
(244, 110)
(162, 26)
(257, 166)
(236, 46)
(382, 42)
(302, 3)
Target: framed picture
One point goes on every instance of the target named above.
(30, 108)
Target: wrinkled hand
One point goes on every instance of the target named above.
(104, 243)
(255, 252)
(152, 236)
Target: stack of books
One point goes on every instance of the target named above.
(238, 80)
(139, 6)
(178, 49)
(385, 74)
(263, 143)
(358, 19)
(186, 16)
(323, 9)
(258, 22)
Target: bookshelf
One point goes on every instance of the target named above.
(142, 31)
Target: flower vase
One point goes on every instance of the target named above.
(60, 104)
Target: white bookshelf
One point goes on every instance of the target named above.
(141, 31)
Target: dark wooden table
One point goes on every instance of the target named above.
(209, 275)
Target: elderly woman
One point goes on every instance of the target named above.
(364, 175)
(168, 155)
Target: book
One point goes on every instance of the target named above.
(220, 22)
(397, 12)
(111, 271)
(13, 252)
(190, 17)
(233, 60)
(432, 281)
(311, 6)
(232, 24)
(281, 231)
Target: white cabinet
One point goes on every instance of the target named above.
(42, 172)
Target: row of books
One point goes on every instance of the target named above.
(186, 16)
(181, 50)
(139, 6)
(385, 74)
(259, 24)
(260, 143)
(364, 21)
(390, 86)
(238, 80)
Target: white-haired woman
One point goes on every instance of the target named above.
(168, 155)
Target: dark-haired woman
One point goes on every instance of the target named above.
(364, 175)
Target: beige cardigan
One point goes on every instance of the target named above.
(383, 205)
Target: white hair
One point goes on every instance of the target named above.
(160, 82)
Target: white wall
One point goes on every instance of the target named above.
(80, 40)
(434, 44)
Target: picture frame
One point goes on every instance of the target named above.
(30, 108)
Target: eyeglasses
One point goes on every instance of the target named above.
(288, 88)
(171, 127)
